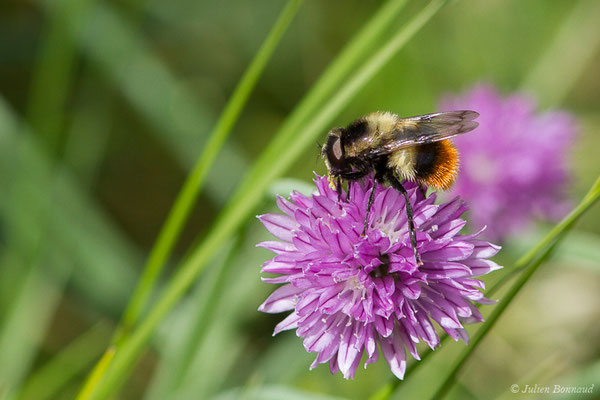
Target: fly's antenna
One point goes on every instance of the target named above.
(320, 147)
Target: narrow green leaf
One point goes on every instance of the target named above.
(177, 116)
(187, 196)
(126, 60)
(45, 382)
(97, 373)
(200, 318)
(580, 248)
(35, 293)
(531, 260)
(25, 325)
(239, 296)
(53, 70)
(88, 134)
(185, 200)
(80, 229)
(193, 363)
(80, 236)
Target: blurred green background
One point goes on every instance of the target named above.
(105, 106)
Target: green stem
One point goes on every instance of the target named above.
(30, 287)
(57, 59)
(45, 382)
(531, 260)
(276, 158)
(187, 196)
(203, 318)
(534, 259)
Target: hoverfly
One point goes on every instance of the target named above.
(393, 148)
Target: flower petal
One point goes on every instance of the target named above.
(290, 322)
(279, 225)
(393, 351)
(283, 299)
(480, 266)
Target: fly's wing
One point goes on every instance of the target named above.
(425, 129)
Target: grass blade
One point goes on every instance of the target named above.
(203, 317)
(532, 259)
(25, 325)
(70, 361)
(57, 59)
(186, 198)
(194, 182)
(179, 118)
(103, 254)
(36, 295)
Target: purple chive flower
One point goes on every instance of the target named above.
(514, 167)
(350, 294)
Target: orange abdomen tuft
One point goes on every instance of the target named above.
(436, 164)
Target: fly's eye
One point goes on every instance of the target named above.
(335, 148)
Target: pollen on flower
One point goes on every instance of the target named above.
(349, 294)
(353, 284)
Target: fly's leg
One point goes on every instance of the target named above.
(338, 188)
(369, 204)
(348, 177)
(348, 194)
(379, 177)
(423, 191)
(409, 213)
